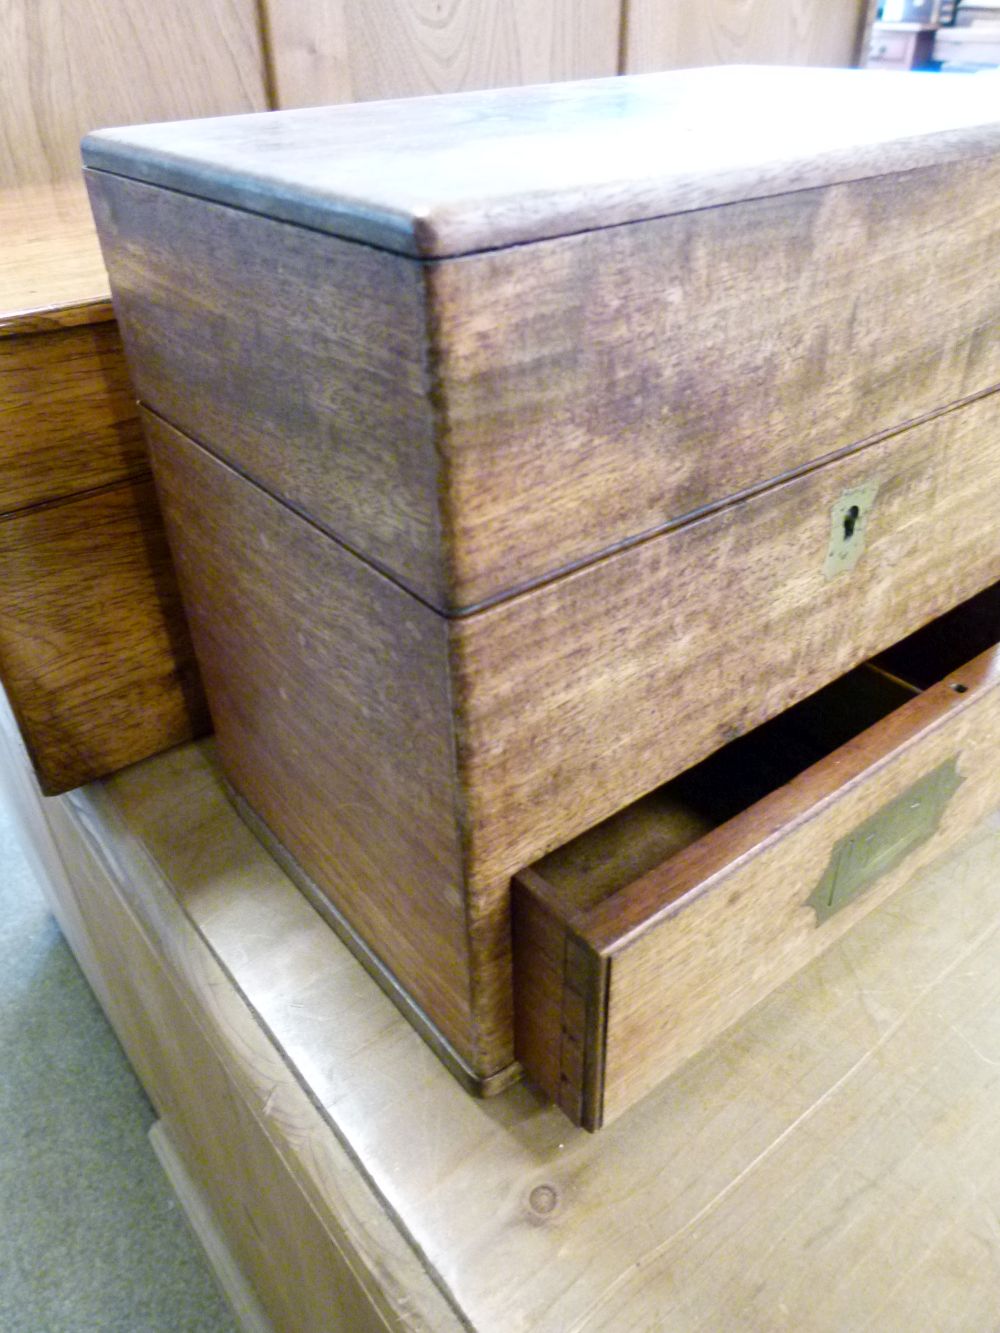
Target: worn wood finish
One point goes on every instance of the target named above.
(722, 348)
(525, 164)
(561, 705)
(572, 705)
(94, 650)
(327, 403)
(65, 69)
(537, 405)
(68, 420)
(355, 50)
(718, 32)
(832, 1160)
(333, 719)
(51, 271)
(672, 959)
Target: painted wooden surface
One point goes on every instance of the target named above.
(356, 50)
(665, 963)
(831, 1162)
(68, 68)
(535, 406)
(94, 650)
(445, 176)
(662, 35)
(304, 1226)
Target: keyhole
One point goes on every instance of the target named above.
(851, 522)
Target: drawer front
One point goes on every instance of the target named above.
(94, 650)
(68, 419)
(614, 996)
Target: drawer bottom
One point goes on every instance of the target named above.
(639, 941)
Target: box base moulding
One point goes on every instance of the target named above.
(472, 1082)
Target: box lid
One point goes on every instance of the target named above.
(443, 176)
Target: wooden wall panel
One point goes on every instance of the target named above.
(673, 34)
(355, 50)
(68, 67)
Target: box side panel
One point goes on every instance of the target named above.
(299, 358)
(328, 686)
(580, 696)
(67, 415)
(601, 385)
(94, 650)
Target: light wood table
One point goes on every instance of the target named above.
(832, 1163)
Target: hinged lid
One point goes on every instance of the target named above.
(443, 176)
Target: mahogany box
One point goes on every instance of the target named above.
(520, 449)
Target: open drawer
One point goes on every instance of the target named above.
(639, 941)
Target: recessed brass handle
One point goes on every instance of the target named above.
(884, 840)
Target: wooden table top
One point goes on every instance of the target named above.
(832, 1162)
(51, 271)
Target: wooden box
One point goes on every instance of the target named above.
(520, 449)
(94, 650)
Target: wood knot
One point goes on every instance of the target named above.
(543, 1200)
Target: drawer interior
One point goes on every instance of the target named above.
(643, 938)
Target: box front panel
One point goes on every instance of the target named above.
(580, 696)
(599, 386)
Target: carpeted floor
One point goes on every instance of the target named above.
(91, 1238)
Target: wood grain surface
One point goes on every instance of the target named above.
(596, 387)
(562, 705)
(329, 692)
(68, 420)
(324, 397)
(578, 697)
(754, 927)
(719, 32)
(356, 50)
(535, 406)
(67, 69)
(445, 176)
(832, 1160)
(693, 942)
(51, 271)
(94, 652)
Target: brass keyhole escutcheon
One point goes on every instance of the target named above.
(848, 528)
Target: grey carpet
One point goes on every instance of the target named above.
(91, 1237)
